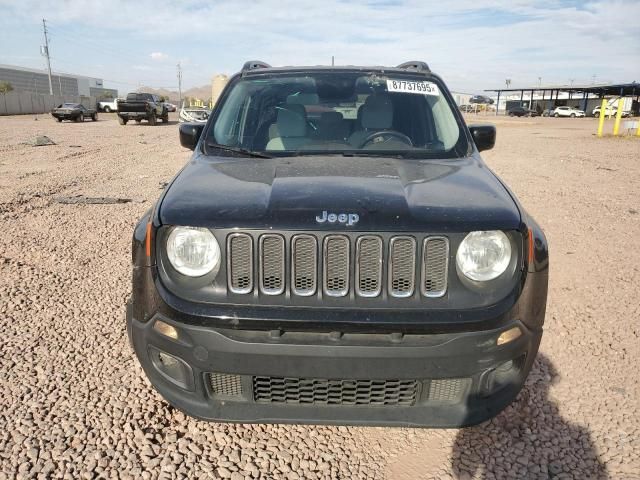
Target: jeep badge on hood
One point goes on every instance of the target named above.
(350, 219)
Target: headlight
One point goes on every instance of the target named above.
(193, 251)
(483, 256)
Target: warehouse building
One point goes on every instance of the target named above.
(32, 80)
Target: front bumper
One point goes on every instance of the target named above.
(455, 379)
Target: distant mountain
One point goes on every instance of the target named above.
(203, 92)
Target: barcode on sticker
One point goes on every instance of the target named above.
(410, 86)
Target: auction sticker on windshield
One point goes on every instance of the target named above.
(411, 86)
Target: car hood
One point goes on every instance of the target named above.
(386, 194)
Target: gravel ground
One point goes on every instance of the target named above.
(74, 402)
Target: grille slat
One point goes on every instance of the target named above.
(435, 266)
(272, 269)
(402, 266)
(334, 392)
(369, 266)
(240, 263)
(304, 265)
(336, 265)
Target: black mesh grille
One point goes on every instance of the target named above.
(435, 259)
(447, 389)
(240, 263)
(334, 392)
(369, 266)
(403, 266)
(226, 384)
(304, 265)
(272, 264)
(336, 260)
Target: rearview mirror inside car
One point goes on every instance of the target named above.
(484, 136)
(190, 134)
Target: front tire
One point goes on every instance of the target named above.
(121, 120)
(597, 114)
(556, 115)
(152, 119)
(94, 117)
(107, 110)
(59, 120)
(80, 118)
(573, 115)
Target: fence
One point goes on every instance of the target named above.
(20, 103)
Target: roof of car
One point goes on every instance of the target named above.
(256, 67)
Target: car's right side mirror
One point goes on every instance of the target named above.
(190, 134)
(484, 136)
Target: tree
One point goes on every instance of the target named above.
(5, 87)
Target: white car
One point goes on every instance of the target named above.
(610, 111)
(568, 112)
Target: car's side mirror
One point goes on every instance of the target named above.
(484, 136)
(190, 134)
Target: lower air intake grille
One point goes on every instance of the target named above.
(447, 389)
(226, 384)
(334, 392)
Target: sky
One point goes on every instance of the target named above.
(473, 45)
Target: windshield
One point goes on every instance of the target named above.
(338, 112)
(70, 105)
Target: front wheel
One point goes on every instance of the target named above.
(511, 114)
(556, 115)
(59, 120)
(573, 115)
(80, 118)
(152, 119)
(165, 118)
(107, 110)
(121, 120)
(94, 117)
(597, 114)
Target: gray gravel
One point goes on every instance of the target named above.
(75, 404)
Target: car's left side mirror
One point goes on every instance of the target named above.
(190, 134)
(484, 136)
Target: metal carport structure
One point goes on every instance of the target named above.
(599, 90)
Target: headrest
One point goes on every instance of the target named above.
(292, 121)
(377, 113)
(303, 99)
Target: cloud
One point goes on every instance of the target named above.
(473, 46)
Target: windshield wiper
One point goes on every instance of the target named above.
(237, 150)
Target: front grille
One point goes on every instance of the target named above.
(272, 264)
(334, 392)
(304, 267)
(336, 265)
(435, 262)
(369, 266)
(240, 263)
(226, 384)
(402, 266)
(391, 265)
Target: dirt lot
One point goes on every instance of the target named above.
(73, 399)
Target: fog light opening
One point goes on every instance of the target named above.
(172, 368)
(509, 335)
(166, 329)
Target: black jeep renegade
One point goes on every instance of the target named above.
(336, 251)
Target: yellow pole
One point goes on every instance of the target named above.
(616, 125)
(638, 132)
(603, 109)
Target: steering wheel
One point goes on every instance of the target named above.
(389, 134)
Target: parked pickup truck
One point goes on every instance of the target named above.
(318, 267)
(142, 106)
(109, 106)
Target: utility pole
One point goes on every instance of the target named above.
(46, 54)
(179, 84)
